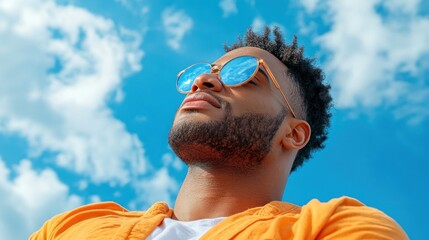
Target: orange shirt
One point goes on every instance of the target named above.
(341, 218)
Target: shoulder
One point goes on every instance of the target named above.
(97, 207)
(348, 217)
(93, 210)
(83, 216)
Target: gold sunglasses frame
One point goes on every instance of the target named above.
(215, 69)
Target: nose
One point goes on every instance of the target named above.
(209, 81)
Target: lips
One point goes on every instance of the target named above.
(200, 99)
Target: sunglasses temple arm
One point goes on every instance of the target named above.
(276, 84)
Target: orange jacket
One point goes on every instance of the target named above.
(341, 218)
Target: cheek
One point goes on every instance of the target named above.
(251, 100)
(255, 105)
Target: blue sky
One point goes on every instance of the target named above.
(87, 97)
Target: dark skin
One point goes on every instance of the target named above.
(219, 191)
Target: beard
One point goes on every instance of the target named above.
(239, 143)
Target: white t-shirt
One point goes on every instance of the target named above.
(173, 229)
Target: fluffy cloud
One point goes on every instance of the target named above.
(310, 5)
(259, 23)
(176, 24)
(29, 198)
(229, 7)
(377, 55)
(161, 185)
(67, 65)
(60, 67)
(172, 161)
(135, 7)
(125, 3)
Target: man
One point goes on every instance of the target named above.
(248, 120)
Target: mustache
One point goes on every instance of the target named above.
(219, 99)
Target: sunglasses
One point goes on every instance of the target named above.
(236, 72)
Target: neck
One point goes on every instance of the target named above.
(210, 193)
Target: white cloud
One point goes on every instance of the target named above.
(409, 6)
(94, 198)
(176, 24)
(135, 7)
(258, 24)
(169, 160)
(229, 7)
(82, 185)
(417, 109)
(60, 67)
(125, 3)
(145, 10)
(29, 198)
(310, 5)
(67, 65)
(375, 54)
(161, 186)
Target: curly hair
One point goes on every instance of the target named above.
(310, 92)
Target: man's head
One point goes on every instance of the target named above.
(218, 125)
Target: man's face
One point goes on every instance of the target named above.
(221, 126)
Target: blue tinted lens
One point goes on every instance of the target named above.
(187, 78)
(238, 70)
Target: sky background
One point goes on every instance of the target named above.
(87, 97)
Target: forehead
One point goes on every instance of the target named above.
(271, 60)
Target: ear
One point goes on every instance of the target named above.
(297, 134)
